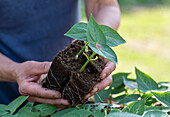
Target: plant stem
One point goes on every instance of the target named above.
(88, 60)
(83, 48)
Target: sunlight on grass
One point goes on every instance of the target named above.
(147, 32)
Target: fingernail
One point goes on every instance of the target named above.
(87, 96)
(94, 89)
(103, 76)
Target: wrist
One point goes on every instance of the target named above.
(12, 72)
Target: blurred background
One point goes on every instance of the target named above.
(145, 25)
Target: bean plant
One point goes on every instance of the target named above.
(94, 34)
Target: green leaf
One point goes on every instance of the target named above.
(102, 95)
(94, 32)
(98, 113)
(46, 109)
(114, 110)
(122, 114)
(129, 98)
(16, 103)
(130, 83)
(78, 31)
(163, 97)
(156, 114)
(77, 113)
(135, 107)
(97, 106)
(148, 98)
(105, 51)
(118, 89)
(120, 97)
(62, 112)
(3, 107)
(157, 108)
(145, 82)
(3, 112)
(112, 37)
(117, 79)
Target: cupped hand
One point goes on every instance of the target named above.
(28, 75)
(106, 77)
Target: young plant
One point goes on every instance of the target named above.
(94, 34)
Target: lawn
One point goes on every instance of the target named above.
(147, 32)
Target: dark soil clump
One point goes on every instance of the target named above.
(64, 75)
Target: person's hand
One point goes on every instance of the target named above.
(106, 78)
(28, 75)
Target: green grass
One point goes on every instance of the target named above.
(147, 32)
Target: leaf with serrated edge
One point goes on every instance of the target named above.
(163, 97)
(145, 82)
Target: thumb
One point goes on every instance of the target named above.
(40, 67)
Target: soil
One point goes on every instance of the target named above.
(64, 75)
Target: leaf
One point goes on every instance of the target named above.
(145, 82)
(157, 108)
(97, 106)
(156, 114)
(120, 97)
(112, 37)
(46, 109)
(77, 113)
(94, 32)
(62, 112)
(118, 89)
(105, 52)
(163, 97)
(98, 113)
(117, 79)
(130, 83)
(148, 98)
(129, 98)
(16, 103)
(78, 31)
(135, 107)
(114, 110)
(122, 114)
(3, 112)
(3, 107)
(102, 95)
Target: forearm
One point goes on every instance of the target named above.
(105, 12)
(7, 68)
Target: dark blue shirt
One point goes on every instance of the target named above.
(33, 30)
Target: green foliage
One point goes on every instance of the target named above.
(156, 114)
(163, 97)
(145, 82)
(137, 102)
(135, 107)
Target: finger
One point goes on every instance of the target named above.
(56, 102)
(100, 86)
(39, 67)
(109, 68)
(33, 89)
(104, 83)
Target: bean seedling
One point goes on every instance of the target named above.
(93, 33)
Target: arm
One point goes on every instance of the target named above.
(105, 12)
(27, 76)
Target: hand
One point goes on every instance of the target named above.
(28, 75)
(106, 77)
